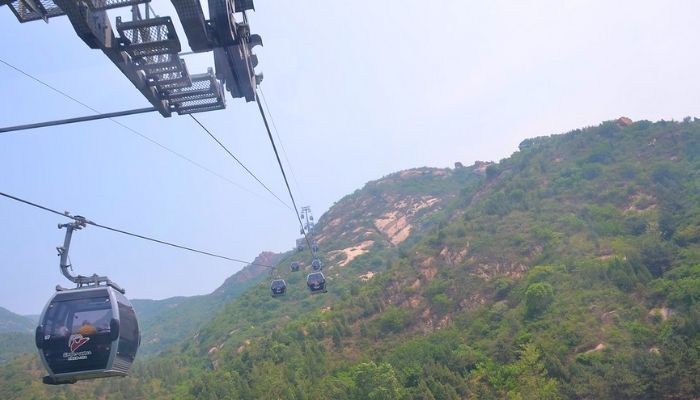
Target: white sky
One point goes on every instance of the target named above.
(358, 90)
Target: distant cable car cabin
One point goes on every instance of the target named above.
(294, 267)
(314, 247)
(316, 282)
(278, 287)
(88, 332)
(300, 244)
(316, 264)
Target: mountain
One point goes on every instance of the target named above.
(33, 317)
(566, 270)
(569, 270)
(16, 335)
(11, 322)
(358, 237)
(15, 344)
(166, 322)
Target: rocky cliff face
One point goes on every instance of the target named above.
(388, 211)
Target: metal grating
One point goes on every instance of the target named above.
(193, 95)
(197, 87)
(148, 37)
(197, 84)
(160, 69)
(146, 34)
(170, 80)
(25, 14)
(158, 61)
(109, 4)
(163, 86)
(206, 102)
(197, 109)
(169, 76)
(205, 94)
(148, 50)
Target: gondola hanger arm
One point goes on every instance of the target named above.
(80, 280)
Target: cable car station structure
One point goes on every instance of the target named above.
(147, 49)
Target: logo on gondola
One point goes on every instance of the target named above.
(75, 341)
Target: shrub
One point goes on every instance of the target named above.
(538, 297)
(393, 320)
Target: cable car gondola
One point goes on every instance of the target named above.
(294, 267)
(88, 332)
(316, 282)
(316, 264)
(278, 287)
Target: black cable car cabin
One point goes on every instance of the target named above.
(278, 287)
(87, 333)
(316, 282)
(316, 264)
(294, 266)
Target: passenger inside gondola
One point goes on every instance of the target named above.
(87, 329)
(61, 330)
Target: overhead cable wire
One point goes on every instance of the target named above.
(279, 139)
(237, 160)
(180, 155)
(279, 162)
(150, 239)
(47, 85)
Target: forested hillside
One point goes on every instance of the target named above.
(11, 322)
(569, 270)
(15, 335)
(169, 321)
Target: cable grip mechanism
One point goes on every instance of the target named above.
(80, 280)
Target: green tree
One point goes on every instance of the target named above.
(393, 320)
(538, 297)
(531, 377)
(376, 382)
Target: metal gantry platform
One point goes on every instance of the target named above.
(147, 49)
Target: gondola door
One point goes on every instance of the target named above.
(77, 334)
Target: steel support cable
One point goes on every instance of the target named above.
(284, 175)
(150, 239)
(177, 154)
(279, 139)
(237, 160)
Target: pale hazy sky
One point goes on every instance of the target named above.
(358, 89)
